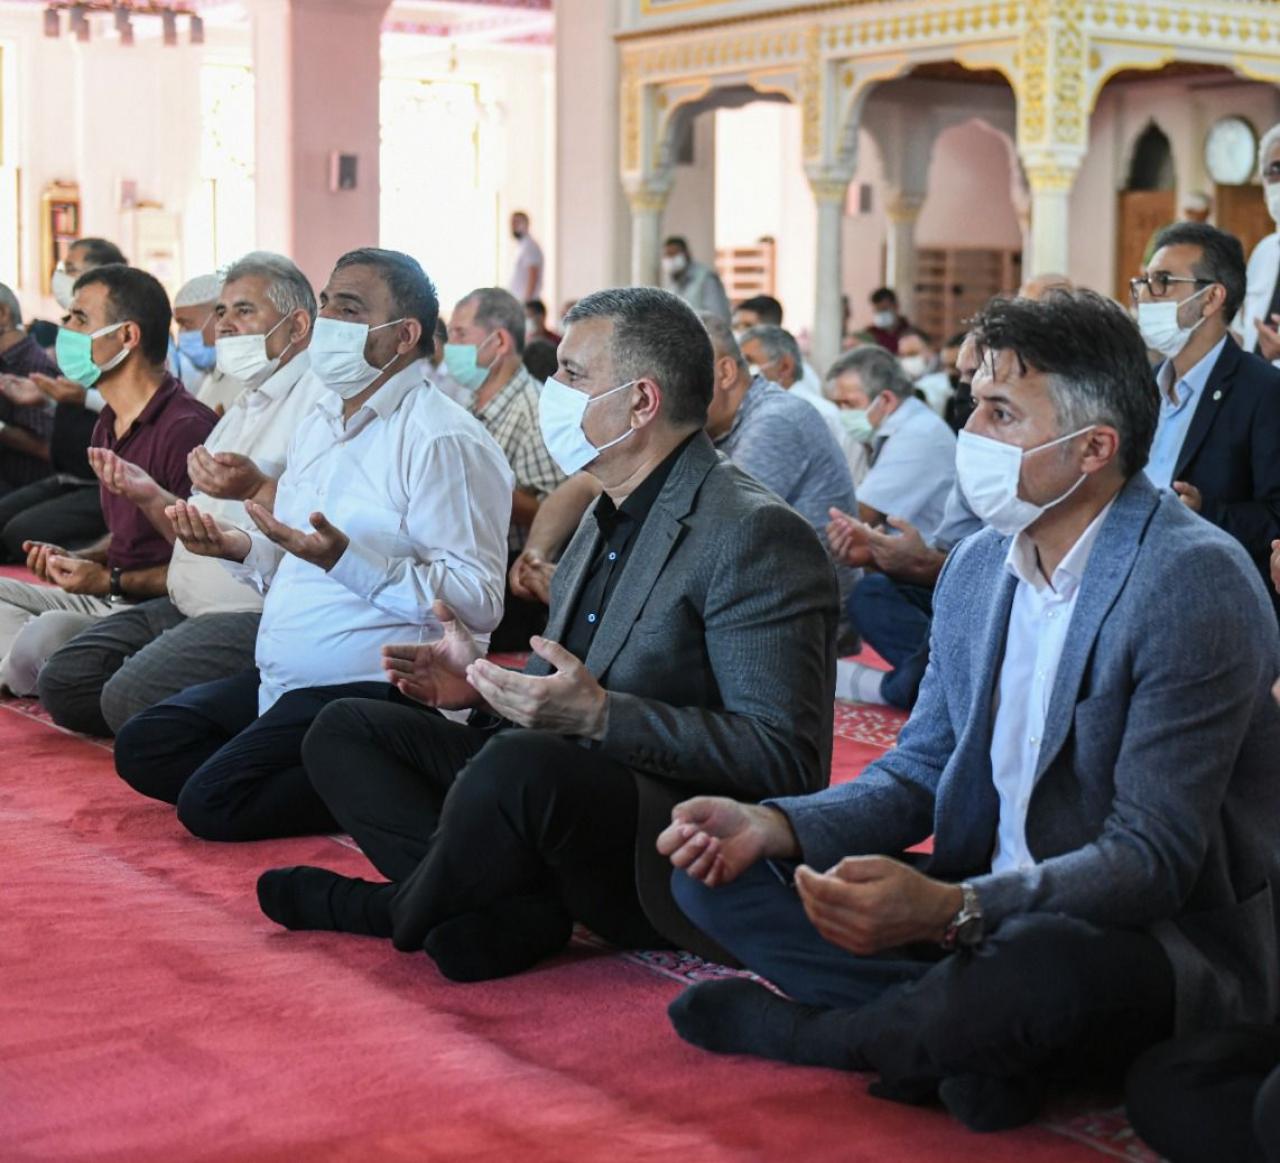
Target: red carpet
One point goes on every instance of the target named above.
(150, 1014)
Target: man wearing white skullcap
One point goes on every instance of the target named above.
(191, 357)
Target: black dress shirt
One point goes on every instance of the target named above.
(619, 527)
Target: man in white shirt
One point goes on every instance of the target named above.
(912, 448)
(1258, 321)
(1092, 753)
(526, 276)
(206, 628)
(408, 501)
(192, 356)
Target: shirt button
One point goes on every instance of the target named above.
(591, 618)
(613, 557)
(1034, 741)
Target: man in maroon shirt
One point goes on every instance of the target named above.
(115, 338)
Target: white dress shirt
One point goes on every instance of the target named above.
(259, 424)
(1176, 414)
(913, 466)
(424, 494)
(1038, 624)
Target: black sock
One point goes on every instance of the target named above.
(315, 898)
(504, 939)
(983, 1103)
(742, 1017)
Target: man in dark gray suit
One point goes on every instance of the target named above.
(1093, 752)
(690, 648)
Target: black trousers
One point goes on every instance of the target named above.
(469, 820)
(60, 509)
(1044, 996)
(1210, 1096)
(232, 773)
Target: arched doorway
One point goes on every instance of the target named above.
(1146, 204)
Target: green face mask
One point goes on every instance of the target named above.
(460, 360)
(856, 423)
(74, 354)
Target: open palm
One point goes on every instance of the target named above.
(434, 673)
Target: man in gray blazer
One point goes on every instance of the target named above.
(690, 649)
(1093, 752)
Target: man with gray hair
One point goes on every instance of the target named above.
(674, 661)
(774, 354)
(207, 625)
(24, 429)
(1092, 753)
(912, 447)
(1258, 321)
(484, 356)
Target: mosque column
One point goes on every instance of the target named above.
(317, 75)
(648, 200)
(1050, 184)
(903, 210)
(830, 189)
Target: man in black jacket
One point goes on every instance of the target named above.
(1217, 443)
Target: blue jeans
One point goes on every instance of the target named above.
(233, 774)
(895, 620)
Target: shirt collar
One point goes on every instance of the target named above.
(518, 384)
(754, 391)
(382, 403)
(169, 387)
(898, 417)
(1192, 384)
(1022, 562)
(643, 497)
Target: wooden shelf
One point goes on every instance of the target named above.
(748, 270)
(59, 227)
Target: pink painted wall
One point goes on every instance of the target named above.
(968, 202)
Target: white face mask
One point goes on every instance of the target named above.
(337, 355)
(914, 366)
(884, 319)
(673, 264)
(245, 358)
(1272, 192)
(62, 283)
(560, 412)
(989, 472)
(1160, 329)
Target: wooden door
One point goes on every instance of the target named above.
(1242, 211)
(1139, 214)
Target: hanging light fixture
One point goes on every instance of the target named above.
(123, 13)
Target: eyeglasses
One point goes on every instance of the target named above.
(1157, 285)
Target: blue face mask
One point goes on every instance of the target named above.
(193, 346)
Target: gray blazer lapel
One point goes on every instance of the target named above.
(1108, 569)
(968, 807)
(650, 552)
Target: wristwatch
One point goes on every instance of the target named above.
(116, 594)
(965, 929)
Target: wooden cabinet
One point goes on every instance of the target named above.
(59, 227)
(955, 283)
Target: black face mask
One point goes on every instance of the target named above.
(517, 234)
